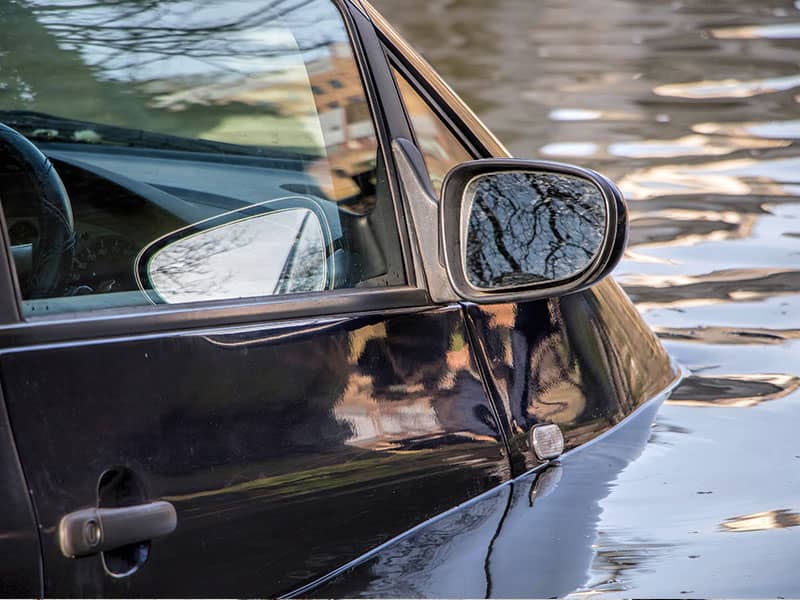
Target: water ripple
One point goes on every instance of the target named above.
(727, 88)
(779, 31)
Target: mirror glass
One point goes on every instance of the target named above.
(527, 227)
(279, 252)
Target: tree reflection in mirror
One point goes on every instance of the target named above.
(531, 227)
(279, 252)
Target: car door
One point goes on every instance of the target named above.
(237, 437)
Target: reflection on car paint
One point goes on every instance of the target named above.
(530, 538)
(712, 260)
(382, 421)
(603, 521)
(570, 362)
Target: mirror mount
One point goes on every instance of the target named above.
(583, 213)
(423, 221)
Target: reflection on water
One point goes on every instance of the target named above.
(740, 176)
(771, 519)
(779, 31)
(760, 129)
(724, 335)
(728, 88)
(733, 390)
(692, 107)
(690, 145)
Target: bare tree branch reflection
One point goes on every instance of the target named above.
(276, 253)
(530, 227)
(153, 31)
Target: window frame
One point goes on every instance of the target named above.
(389, 120)
(448, 118)
(463, 122)
(398, 67)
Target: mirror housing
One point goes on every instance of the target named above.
(490, 218)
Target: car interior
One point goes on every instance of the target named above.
(123, 197)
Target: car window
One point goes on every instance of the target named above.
(440, 148)
(206, 152)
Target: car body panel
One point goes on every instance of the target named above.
(672, 502)
(286, 449)
(531, 538)
(585, 362)
(495, 546)
(21, 567)
(695, 496)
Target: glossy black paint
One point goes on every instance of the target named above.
(584, 361)
(599, 325)
(531, 538)
(21, 566)
(286, 450)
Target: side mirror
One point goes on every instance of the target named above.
(516, 230)
(261, 250)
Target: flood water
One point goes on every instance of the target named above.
(692, 107)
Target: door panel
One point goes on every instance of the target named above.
(534, 538)
(20, 569)
(286, 450)
(585, 361)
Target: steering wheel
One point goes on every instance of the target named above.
(40, 186)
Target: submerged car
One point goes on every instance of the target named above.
(281, 317)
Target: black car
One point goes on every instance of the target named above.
(279, 316)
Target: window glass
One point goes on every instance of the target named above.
(440, 148)
(207, 151)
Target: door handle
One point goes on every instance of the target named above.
(93, 530)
